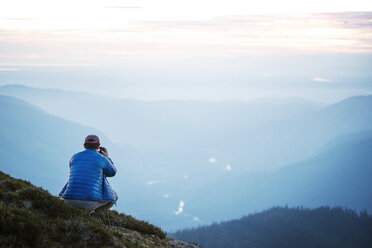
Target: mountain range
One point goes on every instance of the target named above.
(218, 160)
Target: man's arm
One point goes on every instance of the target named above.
(109, 170)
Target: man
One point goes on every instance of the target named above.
(87, 187)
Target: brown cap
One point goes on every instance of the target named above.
(92, 139)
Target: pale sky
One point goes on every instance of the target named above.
(178, 36)
(80, 32)
(111, 13)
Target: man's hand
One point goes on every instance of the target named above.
(104, 152)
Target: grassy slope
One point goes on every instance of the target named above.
(31, 217)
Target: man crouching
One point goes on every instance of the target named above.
(87, 187)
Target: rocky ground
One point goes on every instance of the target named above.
(150, 241)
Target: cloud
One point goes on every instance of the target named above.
(212, 160)
(196, 218)
(185, 176)
(152, 182)
(9, 69)
(180, 208)
(250, 34)
(166, 195)
(324, 80)
(228, 167)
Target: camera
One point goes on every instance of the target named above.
(102, 150)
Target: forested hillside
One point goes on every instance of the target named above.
(280, 227)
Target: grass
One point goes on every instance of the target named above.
(32, 217)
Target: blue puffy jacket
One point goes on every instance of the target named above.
(87, 181)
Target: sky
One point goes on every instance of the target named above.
(214, 50)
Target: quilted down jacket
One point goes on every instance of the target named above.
(87, 181)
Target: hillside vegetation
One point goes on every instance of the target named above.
(288, 227)
(31, 217)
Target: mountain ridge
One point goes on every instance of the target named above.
(9, 89)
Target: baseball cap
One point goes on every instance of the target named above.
(92, 139)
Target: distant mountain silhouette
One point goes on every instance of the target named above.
(348, 139)
(230, 130)
(323, 227)
(179, 127)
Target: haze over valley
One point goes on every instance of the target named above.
(186, 163)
